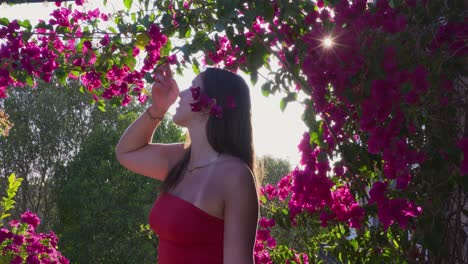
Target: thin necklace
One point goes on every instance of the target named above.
(197, 167)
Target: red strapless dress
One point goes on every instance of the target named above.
(187, 234)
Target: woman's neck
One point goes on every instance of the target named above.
(201, 150)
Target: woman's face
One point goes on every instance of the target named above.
(184, 115)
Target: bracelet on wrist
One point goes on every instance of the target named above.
(155, 117)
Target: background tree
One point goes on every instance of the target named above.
(52, 121)
(102, 206)
(274, 169)
(63, 147)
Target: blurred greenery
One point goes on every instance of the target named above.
(102, 205)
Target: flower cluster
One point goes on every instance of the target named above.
(231, 56)
(45, 52)
(204, 102)
(382, 118)
(368, 108)
(24, 245)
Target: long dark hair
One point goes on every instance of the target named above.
(232, 134)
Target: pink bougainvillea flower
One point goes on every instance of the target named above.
(91, 80)
(17, 260)
(311, 18)
(104, 17)
(135, 51)
(105, 40)
(205, 101)
(30, 218)
(195, 92)
(377, 193)
(217, 111)
(320, 4)
(94, 13)
(172, 59)
(5, 234)
(126, 100)
(196, 107)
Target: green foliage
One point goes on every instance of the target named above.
(274, 169)
(103, 207)
(50, 123)
(128, 4)
(8, 202)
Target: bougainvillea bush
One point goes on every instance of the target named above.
(19, 241)
(383, 171)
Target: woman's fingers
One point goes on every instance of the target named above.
(167, 69)
(164, 69)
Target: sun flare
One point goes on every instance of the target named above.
(327, 42)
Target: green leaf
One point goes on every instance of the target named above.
(4, 21)
(322, 156)
(201, 40)
(291, 97)
(61, 75)
(219, 26)
(130, 61)
(354, 244)
(254, 77)
(227, 7)
(44, 25)
(112, 29)
(184, 31)
(29, 80)
(166, 21)
(266, 89)
(314, 138)
(230, 32)
(142, 40)
(255, 56)
(8, 202)
(21, 76)
(26, 36)
(25, 24)
(102, 108)
(5, 215)
(395, 243)
(195, 67)
(283, 104)
(75, 73)
(148, 77)
(166, 49)
(128, 4)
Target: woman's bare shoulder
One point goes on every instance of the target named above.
(230, 162)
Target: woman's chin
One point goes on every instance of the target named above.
(176, 118)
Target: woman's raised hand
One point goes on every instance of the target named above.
(165, 89)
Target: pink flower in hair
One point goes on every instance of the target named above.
(217, 111)
(195, 93)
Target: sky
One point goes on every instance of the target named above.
(276, 133)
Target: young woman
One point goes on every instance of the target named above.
(207, 211)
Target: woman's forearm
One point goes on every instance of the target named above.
(140, 132)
